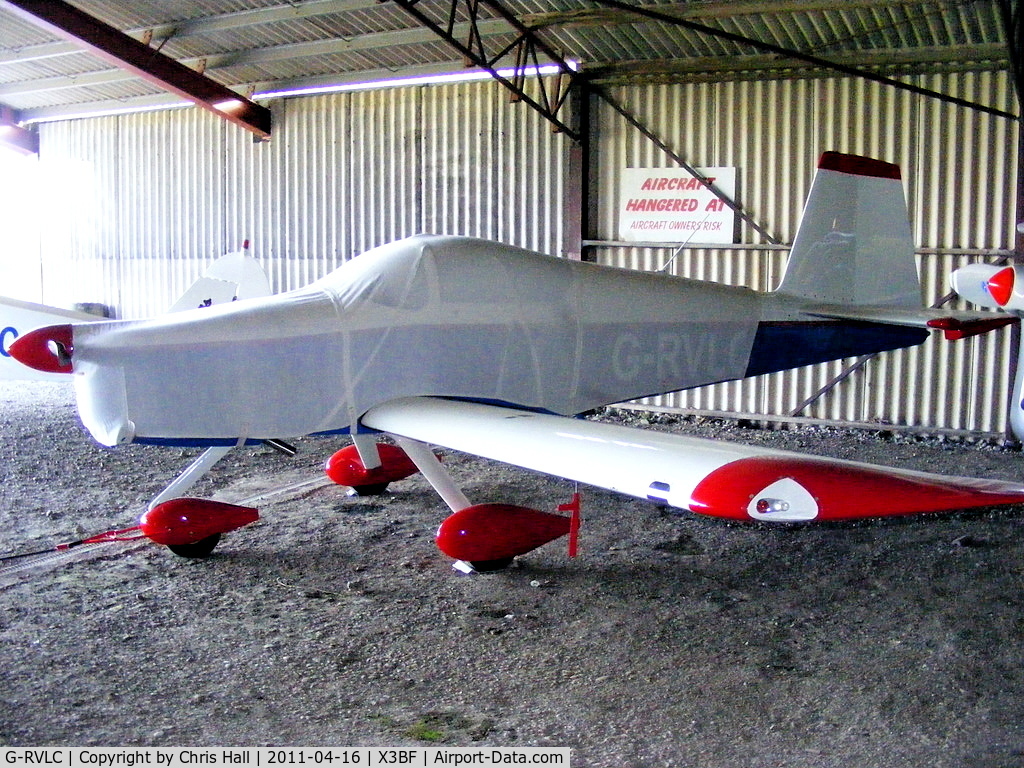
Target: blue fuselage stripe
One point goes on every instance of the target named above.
(779, 346)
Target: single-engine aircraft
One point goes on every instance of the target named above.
(491, 349)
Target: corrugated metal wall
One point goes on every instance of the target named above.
(960, 174)
(142, 203)
(148, 200)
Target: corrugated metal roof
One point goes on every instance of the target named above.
(275, 44)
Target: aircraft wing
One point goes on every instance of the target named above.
(956, 324)
(711, 477)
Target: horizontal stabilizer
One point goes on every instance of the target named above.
(706, 476)
(956, 324)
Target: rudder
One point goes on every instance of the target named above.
(853, 245)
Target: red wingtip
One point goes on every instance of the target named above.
(859, 166)
(45, 349)
(839, 490)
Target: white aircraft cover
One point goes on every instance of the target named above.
(429, 315)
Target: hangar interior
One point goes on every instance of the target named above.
(157, 136)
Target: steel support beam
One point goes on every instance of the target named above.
(124, 51)
(681, 161)
(579, 206)
(712, 68)
(527, 45)
(199, 26)
(1013, 26)
(259, 56)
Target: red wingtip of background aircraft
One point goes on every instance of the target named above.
(45, 349)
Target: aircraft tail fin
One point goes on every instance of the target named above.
(233, 276)
(854, 244)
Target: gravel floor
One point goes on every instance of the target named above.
(671, 641)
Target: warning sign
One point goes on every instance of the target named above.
(670, 205)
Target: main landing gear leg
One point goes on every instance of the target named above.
(192, 474)
(429, 465)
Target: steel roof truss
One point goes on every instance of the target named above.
(128, 53)
(526, 47)
(800, 56)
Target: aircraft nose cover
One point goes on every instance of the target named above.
(783, 488)
(45, 349)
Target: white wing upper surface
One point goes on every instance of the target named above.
(706, 476)
(636, 462)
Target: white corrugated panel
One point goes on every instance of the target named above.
(79, 238)
(960, 173)
(153, 198)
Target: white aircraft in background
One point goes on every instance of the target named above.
(232, 277)
(490, 349)
(18, 317)
(999, 287)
